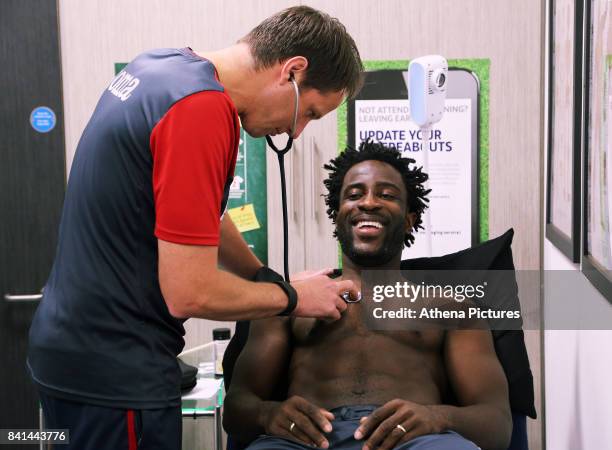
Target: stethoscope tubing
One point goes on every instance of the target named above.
(281, 165)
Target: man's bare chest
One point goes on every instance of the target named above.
(312, 333)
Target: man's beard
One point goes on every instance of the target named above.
(392, 244)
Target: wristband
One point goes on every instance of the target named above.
(292, 297)
(267, 275)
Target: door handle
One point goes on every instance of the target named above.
(22, 298)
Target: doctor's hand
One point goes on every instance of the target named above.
(320, 297)
(299, 420)
(396, 422)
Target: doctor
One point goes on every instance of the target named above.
(141, 236)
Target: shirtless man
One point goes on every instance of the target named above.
(350, 387)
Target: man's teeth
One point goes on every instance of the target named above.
(369, 224)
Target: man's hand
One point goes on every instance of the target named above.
(319, 297)
(381, 427)
(310, 421)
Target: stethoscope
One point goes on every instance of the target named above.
(281, 165)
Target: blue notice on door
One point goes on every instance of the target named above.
(42, 119)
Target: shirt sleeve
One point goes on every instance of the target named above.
(194, 148)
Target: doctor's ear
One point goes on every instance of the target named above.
(294, 68)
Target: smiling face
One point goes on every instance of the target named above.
(372, 219)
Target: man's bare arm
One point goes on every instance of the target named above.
(193, 286)
(481, 388)
(248, 409)
(258, 370)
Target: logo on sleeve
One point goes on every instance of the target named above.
(123, 85)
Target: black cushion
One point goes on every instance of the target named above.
(495, 254)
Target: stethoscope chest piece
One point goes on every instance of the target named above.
(347, 298)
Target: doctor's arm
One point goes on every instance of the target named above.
(193, 286)
(234, 253)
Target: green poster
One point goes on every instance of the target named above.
(250, 187)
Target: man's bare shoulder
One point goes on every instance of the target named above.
(269, 329)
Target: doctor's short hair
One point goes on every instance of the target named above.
(413, 177)
(334, 63)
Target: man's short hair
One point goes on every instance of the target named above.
(334, 63)
(413, 177)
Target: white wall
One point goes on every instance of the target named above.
(577, 368)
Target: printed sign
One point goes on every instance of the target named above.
(42, 119)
